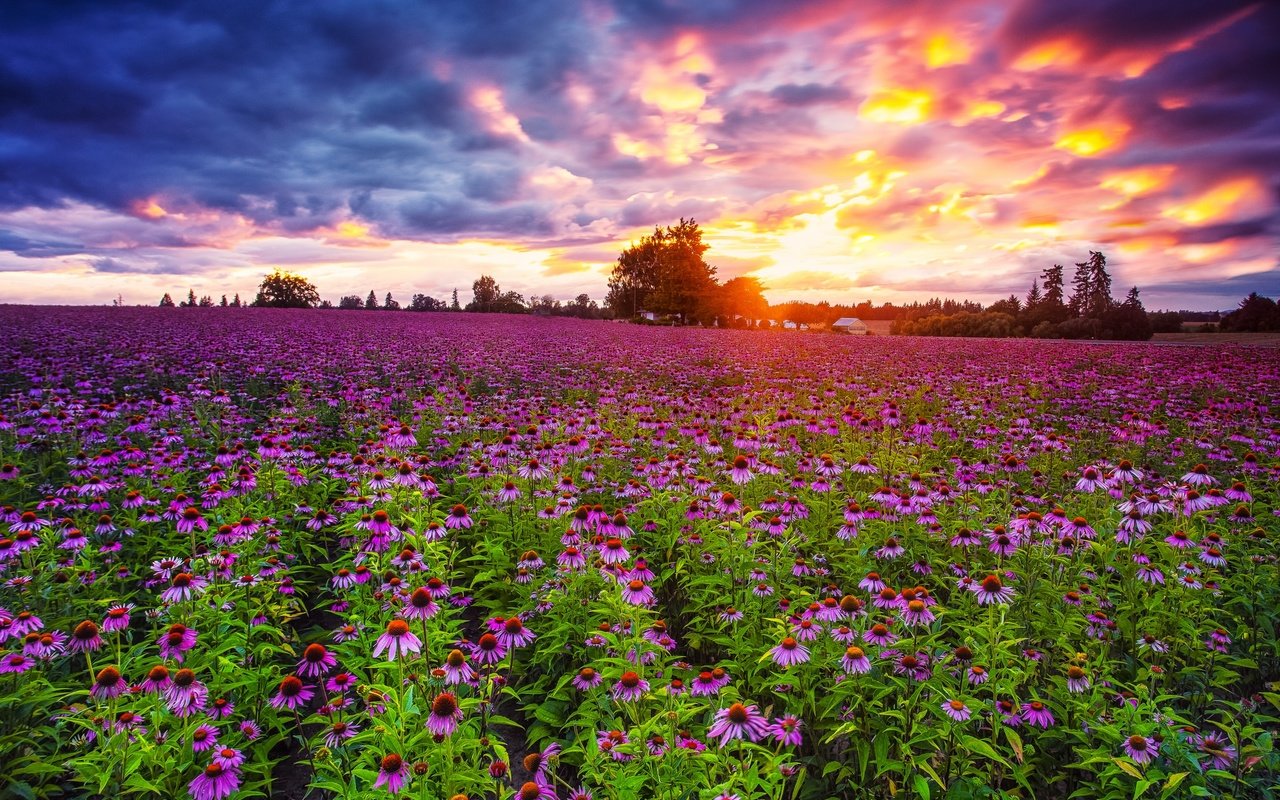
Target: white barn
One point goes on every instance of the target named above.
(851, 325)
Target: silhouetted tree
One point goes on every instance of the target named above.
(166, 301)
(485, 294)
(390, 303)
(422, 302)
(224, 303)
(190, 302)
(371, 302)
(454, 305)
(286, 290)
(665, 273)
(1255, 313)
(350, 302)
(235, 302)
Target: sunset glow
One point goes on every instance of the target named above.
(835, 151)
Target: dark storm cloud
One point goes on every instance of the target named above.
(277, 113)
(807, 94)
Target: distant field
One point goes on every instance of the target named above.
(1256, 339)
(879, 327)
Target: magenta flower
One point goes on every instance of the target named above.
(786, 731)
(117, 618)
(630, 687)
(183, 587)
(108, 684)
(738, 721)
(789, 652)
(992, 590)
(1037, 713)
(203, 738)
(291, 694)
(637, 593)
(397, 641)
(15, 663)
(393, 773)
(1140, 748)
(458, 518)
(215, 783)
(514, 633)
(339, 732)
(445, 714)
(176, 641)
(587, 678)
(85, 638)
(316, 661)
(956, 709)
(854, 661)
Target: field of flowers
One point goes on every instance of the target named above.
(254, 553)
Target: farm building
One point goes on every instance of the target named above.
(851, 325)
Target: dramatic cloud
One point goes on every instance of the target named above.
(878, 150)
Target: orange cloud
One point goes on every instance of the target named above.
(1232, 199)
(1093, 140)
(1139, 180)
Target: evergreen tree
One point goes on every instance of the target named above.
(1033, 297)
(191, 299)
(390, 303)
(371, 301)
(455, 305)
(223, 304)
(235, 303)
(166, 301)
(1053, 291)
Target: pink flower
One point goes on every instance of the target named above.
(445, 714)
(789, 652)
(738, 721)
(392, 773)
(215, 783)
(397, 641)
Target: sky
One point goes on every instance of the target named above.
(881, 150)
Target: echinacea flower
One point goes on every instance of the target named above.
(515, 634)
(397, 641)
(738, 721)
(789, 652)
(339, 732)
(108, 684)
(214, 783)
(586, 679)
(85, 638)
(393, 773)
(176, 641)
(630, 687)
(854, 661)
(1140, 748)
(1037, 713)
(204, 737)
(292, 693)
(445, 714)
(316, 661)
(992, 590)
(786, 731)
(956, 709)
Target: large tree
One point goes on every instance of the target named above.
(485, 293)
(664, 273)
(286, 290)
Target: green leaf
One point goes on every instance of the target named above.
(983, 749)
(1171, 784)
(1128, 768)
(922, 786)
(1140, 787)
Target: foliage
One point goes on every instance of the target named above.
(286, 290)
(1255, 313)
(664, 273)
(1089, 529)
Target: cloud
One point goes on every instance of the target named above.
(206, 140)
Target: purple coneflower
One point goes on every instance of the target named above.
(992, 590)
(184, 586)
(215, 783)
(637, 593)
(1217, 747)
(15, 663)
(445, 714)
(789, 652)
(917, 614)
(587, 678)
(393, 773)
(879, 635)
(85, 638)
(177, 640)
(738, 721)
(488, 650)
(1037, 713)
(339, 732)
(854, 661)
(515, 634)
(458, 518)
(630, 687)
(316, 661)
(421, 605)
(291, 694)
(786, 731)
(456, 669)
(228, 758)
(1077, 680)
(1140, 748)
(956, 709)
(108, 684)
(397, 641)
(117, 618)
(203, 738)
